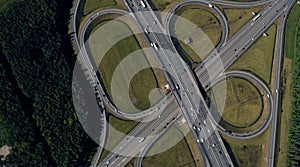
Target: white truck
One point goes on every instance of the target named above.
(143, 4)
(256, 17)
(142, 140)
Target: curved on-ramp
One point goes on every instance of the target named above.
(253, 79)
(216, 10)
(115, 111)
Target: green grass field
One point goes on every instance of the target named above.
(238, 17)
(178, 155)
(141, 84)
(259, 57)
(91, 5)
(162, 4)
(284, 116)
(250, 152)
(243, 104)
(205, 20)
(293, 20)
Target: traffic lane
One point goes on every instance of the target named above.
(146, 132)
(129, 152)
(234, 44)
(187, 77)
(179, 66)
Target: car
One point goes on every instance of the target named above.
(198, 128)
(177, 87)
(107, 162)
(197, 140)
(268, 95)
(208, 130)
(154, 22)
(194, 127)
(276, 90)
(131, 4)
(202, 140)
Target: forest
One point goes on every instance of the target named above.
(294, 131)
(37, 116)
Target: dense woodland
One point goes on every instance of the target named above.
(37, 117)
(294, 132)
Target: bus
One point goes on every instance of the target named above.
(143, 4)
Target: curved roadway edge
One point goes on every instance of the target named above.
(115, 111)
(146, 149)
(279, 58)
(240, 4)
(77, 2)
(74, 27)
(251, 78)
(217, 11)
(139, 162)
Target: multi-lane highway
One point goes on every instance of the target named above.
(240, 42)
(141, 136)
(184, 85)
(229, 53)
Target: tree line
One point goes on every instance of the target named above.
(293, 158)
(37, 114)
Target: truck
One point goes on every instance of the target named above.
(142, 140)
(256, 17)
(143, 4)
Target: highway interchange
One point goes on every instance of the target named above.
(229, 52)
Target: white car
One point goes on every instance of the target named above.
(197, 140)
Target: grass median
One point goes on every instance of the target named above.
(249, 152)
(238, 17)
(142, 83)
(259, 57)
(198, 41)
(179, 155)
(243, 105)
